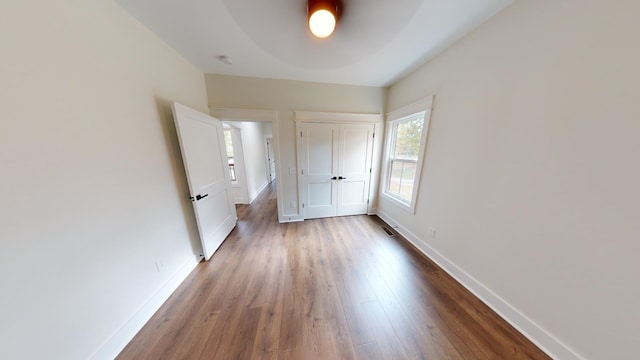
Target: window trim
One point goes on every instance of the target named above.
(392, 119)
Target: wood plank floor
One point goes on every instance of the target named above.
(337, 288)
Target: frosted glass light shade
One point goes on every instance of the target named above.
(322, 23)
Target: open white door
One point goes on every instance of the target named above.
(205, 161)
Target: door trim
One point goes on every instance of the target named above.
(334, 117)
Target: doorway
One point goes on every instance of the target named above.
(267, 119)
(249, 172)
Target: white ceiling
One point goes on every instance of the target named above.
(376, 41)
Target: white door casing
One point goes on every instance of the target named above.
(335, 168)
(205, 160)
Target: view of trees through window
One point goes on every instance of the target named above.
(404, 156)
(407, 144)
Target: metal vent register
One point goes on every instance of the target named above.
(387, 230)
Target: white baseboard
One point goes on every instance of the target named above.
(258, 192)
(539, 336)
(114, 345)
(290, 218)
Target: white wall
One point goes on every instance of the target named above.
(254, 155)
(267, 129)
(285, 97)
(239, 187)
(531, 172)
(91, 181)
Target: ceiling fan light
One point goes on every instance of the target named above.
(322, 23)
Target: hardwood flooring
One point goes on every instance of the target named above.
(335, 288)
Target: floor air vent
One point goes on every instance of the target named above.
(387, 230)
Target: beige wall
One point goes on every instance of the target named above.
(286, 97)
(532, 170)
(91, 181)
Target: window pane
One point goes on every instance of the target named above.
(395, 178)
(406, 182)
(407, 139)
(401, 179)
(228, 143)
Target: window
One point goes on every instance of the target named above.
(406, 136)
(229, 145)
(403, 159)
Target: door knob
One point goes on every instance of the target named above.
(199, 197)
(342, 178)
(334, 178)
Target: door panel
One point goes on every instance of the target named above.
(320, 150)
(353, 192)
(355, 149)
(319, 166)
(354, 165)
(320, 194)
(203, 151)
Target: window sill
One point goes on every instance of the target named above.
(410, 208)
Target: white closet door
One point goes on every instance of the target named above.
(336, 166)
(319, 164)
(354, 168)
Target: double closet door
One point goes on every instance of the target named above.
(335, 168)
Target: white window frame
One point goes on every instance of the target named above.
(393, 118)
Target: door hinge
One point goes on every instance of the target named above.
(367, 201)
(301, 171)
(300, 133)
(374, 135)
(369, 170)
(303, 205)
